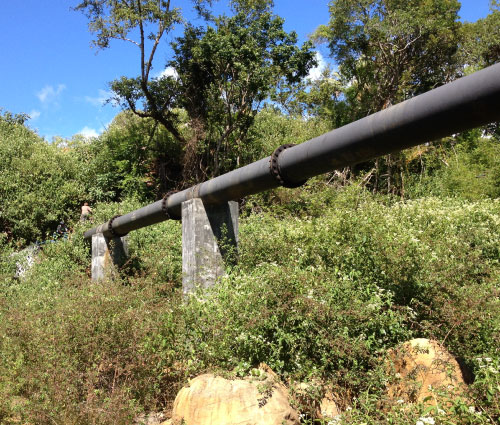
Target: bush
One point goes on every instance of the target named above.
(318, 297)
(469, 170)
(39, 184)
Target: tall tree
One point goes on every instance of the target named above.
(142, 23)
(223, 72)
(226, 72)
(389, 51)
(481, 47)
(481, 44)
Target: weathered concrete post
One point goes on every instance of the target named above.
(209, 242)
(107, 255)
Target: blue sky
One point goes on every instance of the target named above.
(49, 70)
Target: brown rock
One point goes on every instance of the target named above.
(422, 366)
(213, 400)
(315, 401)
(328, 406)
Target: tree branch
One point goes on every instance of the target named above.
(125, 39)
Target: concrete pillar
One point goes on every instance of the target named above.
(209, 242)
(107, 255)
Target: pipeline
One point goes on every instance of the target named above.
(463, 104)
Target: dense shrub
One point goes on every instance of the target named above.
(468, 167)
(318, 297)
(272, 129)
(38, 183)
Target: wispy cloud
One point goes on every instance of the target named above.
(49, 94)
(34, 114)
(100, 99)
(88, 132)
(315, 73)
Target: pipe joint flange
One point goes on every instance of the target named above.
(275, 169)
(164, 201)
(113, 231)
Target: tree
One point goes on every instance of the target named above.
(121, 20)
(39, 182)
(321, 97)
(223, 73)
(145, 158)
(481, 44)
(389, 51)
(226, 72)
(481, 47)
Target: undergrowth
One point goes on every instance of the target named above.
(326, 282)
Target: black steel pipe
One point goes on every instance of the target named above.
(463, 104)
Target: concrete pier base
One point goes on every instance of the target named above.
(108, 254)
(209, 242)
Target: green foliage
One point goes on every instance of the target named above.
(225, 73)
(272, 128)
(150, 20)
(323, 287)
(468, 169)
(390, 50)
(481, 45)
(39, 183)
(116, 19)
(42, 183)
(327, 279)
(487, 382)
(11, 118)
(96, 171)
(323, 98)
(145, 158)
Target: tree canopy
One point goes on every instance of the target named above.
(223, 72)
(390, 50)
(481, 45)
(198, 116)
(226, 72)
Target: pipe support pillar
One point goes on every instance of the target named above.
(108, 255)
(209, 242)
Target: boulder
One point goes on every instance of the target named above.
(423, 366)
(315, 401)
(328, 406)
(213, 400)
(155, 418)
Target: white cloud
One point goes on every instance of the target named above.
(100, 99)
(88, 132)
(49, 94)
(167, 72)
(34, 114)
(315, 73)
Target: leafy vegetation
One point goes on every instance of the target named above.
(319, 297)
(221, 74)
(330, 276)
(38, 183)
